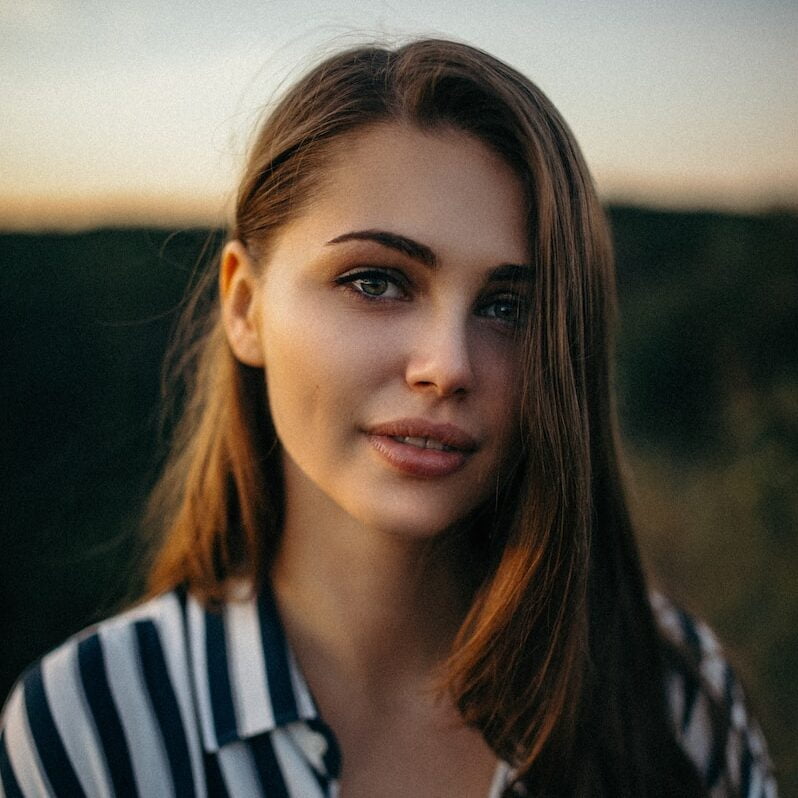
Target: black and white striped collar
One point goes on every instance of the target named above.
(246, 678)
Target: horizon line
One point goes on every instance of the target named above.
(74, 214)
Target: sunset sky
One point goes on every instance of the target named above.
(141, 111)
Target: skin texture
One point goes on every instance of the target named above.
(355, 335)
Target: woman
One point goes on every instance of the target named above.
(397, 559)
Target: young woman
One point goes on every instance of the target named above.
(396, 558)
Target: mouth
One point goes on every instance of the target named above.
(425, 434)
(425, 443)
(420, 448)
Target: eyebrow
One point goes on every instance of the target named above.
(402, 244)
(508, 272)
(512, 273)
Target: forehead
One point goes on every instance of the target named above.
(443, 187)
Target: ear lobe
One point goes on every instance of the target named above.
(237, 288)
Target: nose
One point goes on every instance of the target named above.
(441, 358)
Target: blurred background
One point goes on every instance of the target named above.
(124, 129)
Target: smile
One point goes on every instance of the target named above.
(424, 434)
(421, 448)
(425, 443)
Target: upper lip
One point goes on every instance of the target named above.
(447, 434)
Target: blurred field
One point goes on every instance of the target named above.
(708, 381)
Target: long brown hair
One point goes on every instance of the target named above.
(558, 662)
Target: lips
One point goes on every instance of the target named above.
(421, 448)
(425, 443)
(416, 429)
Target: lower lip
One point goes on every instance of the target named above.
(415, 461)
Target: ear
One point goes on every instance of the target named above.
(238, 284)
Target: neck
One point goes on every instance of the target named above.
(367, 604)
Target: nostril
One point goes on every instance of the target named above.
(445, 380)
(440, 358)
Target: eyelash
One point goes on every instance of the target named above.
(354, 282)
(518, 315)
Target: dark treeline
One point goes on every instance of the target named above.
(708, 384)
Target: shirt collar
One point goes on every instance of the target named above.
(246, 677)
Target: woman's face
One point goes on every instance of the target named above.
(386, 318)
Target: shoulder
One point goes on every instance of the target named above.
(71, 721)
(708, 709)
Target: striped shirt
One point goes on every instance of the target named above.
(171, 699)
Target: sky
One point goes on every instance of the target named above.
(142, 111)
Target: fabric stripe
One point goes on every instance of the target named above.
(22, 752)
(305, 704)
(691, 637)
(195, 624)
(732, 757)
(501, 778)
(148, 758)
(167, 711)
(214, 781)
(698, 735)
(270, 775)
(769, 788)
(275, 654)
(106, 718)
(173, 636)
(311, 742)
(757, 786)
(54, 758)
(690, 694)
(675, 692)
(247, 669)
(299, 778)
(73, 719)
(721, 738)
(745, 770)
(223, 711)
(9, 786)
(691, 686)
(238, 768)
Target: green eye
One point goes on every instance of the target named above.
(374, 284)
(371, 286)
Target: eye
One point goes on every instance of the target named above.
(509, 309)
(375, 284)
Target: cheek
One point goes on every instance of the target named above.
(505, 378)
(500, 361)
(297, 375)
(317, 370)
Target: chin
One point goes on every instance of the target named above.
(416, 523)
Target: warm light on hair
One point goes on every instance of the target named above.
(558, 662)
